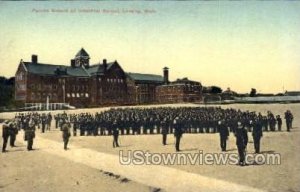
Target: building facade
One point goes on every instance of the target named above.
(79, 84)
(144, 87)
(105, 83)
(181, 90)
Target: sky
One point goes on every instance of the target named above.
(236, 44)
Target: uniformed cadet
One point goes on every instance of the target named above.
(44, 122)
(279, 122)
(49, 120)
(241, 140)
(115, 133)
(66, 133)
(288, 119)
(30, 135)
(164, 131)
(5, 134)
(13, 131)
(56, 117)
(224, 133)
(177, 133)
(257, 134)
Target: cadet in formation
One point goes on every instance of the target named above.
(288, 119)
(115, 133)
(224, 133)
(177, 133)
(66, 133)
(29, 135)
(241, 142)
(13, 131)
(5, 135)
(164, 131)
(257, 134)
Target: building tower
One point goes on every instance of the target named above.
(166, 75)
(82, 58)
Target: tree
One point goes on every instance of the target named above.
(253, 92)
(7, 91)
(215, 90)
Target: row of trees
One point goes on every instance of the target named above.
(7, 92)
(218, 90)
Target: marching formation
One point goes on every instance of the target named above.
(160, 120)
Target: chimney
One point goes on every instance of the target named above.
(34, 59)
(72, 62)
(105, 65)
(166, 75)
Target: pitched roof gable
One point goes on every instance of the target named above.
(82, 53)
(49, 69)
(146, 77)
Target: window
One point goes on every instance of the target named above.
(77, 95)
(68, 95)
(22, 87)
(20, 76)
(81, 94)
(73, 94)
(86, 95)
(32, 96)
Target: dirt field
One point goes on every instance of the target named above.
(92, 164)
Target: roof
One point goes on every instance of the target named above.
(82, 53)
(98, 68)
(292, 93)
(146, 77)
(49, 69)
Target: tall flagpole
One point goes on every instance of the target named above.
(64, 91)
(47, 103)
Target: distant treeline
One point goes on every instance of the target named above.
(7, 87)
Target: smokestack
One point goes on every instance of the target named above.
(166, 75)
(105, 64)
(72, 62)
(34, 59)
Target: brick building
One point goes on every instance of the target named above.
(181, 90)
(143, 87)
(105, 83)
(79, 84)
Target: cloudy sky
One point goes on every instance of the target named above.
(230, 44)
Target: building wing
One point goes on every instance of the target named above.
(150, 78)
(50, 69)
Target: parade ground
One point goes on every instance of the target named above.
(92, 164)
